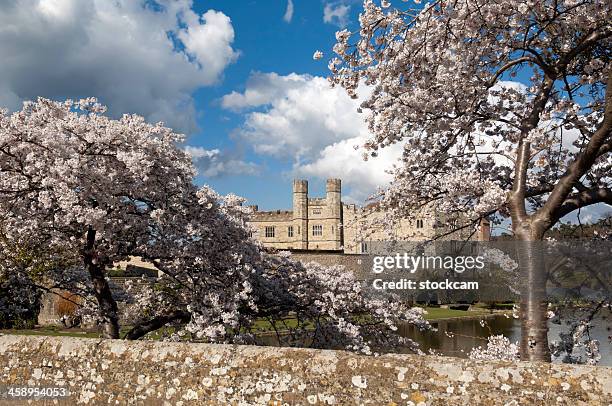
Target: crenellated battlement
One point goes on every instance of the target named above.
(273, 212)
(300, 186)
(280, 215)
(319, 201)
(333, 185)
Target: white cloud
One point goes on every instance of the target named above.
(209, 39)
(58, 9)
(141, 57)
(298, 115)
(302, 119)
(336, 13)
(589, 214)
(288, 12)
(213, 163)
(262, 89)
(341, 159)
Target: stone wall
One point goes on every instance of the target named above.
(350, 261)
(53, 307)
(154, 373)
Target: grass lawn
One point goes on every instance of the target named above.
(52, 331)
(56, 331)
(433, 313)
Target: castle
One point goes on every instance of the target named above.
(327, 224)
(320, 229)
(314, 223)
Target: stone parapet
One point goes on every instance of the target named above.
(101, 372)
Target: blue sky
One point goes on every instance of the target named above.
(237, 77)
(267, 43)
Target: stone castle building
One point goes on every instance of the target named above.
(313, 224)
(328, 224)
(320, 229)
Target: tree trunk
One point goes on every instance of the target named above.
(534, 303)
(104, 296)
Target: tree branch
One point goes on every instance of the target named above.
(586, 43)
(507, 66)
(581, 164)
(605, 148)
(582, 199)
(156, 323)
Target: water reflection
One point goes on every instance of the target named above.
(466, 334)
(457, 337)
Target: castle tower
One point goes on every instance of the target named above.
(484, 230)
(300, 213)
(333, 190)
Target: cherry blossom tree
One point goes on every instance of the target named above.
(81, 191)
(505, 111)
(77, 181)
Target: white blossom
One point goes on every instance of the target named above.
(498, 348)
(80, 192)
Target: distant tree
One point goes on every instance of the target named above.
(19, 300)
(88, 191)
(22, 269)
(475, 143)
(602, 228)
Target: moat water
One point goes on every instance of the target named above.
(457, 337)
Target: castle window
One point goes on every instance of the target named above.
(250, 234)
(364, 247)
(317, 230)
(419, 223)
(333, 230)
(316, 211)
(290, 231)
(299, 230)
(269, 231)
